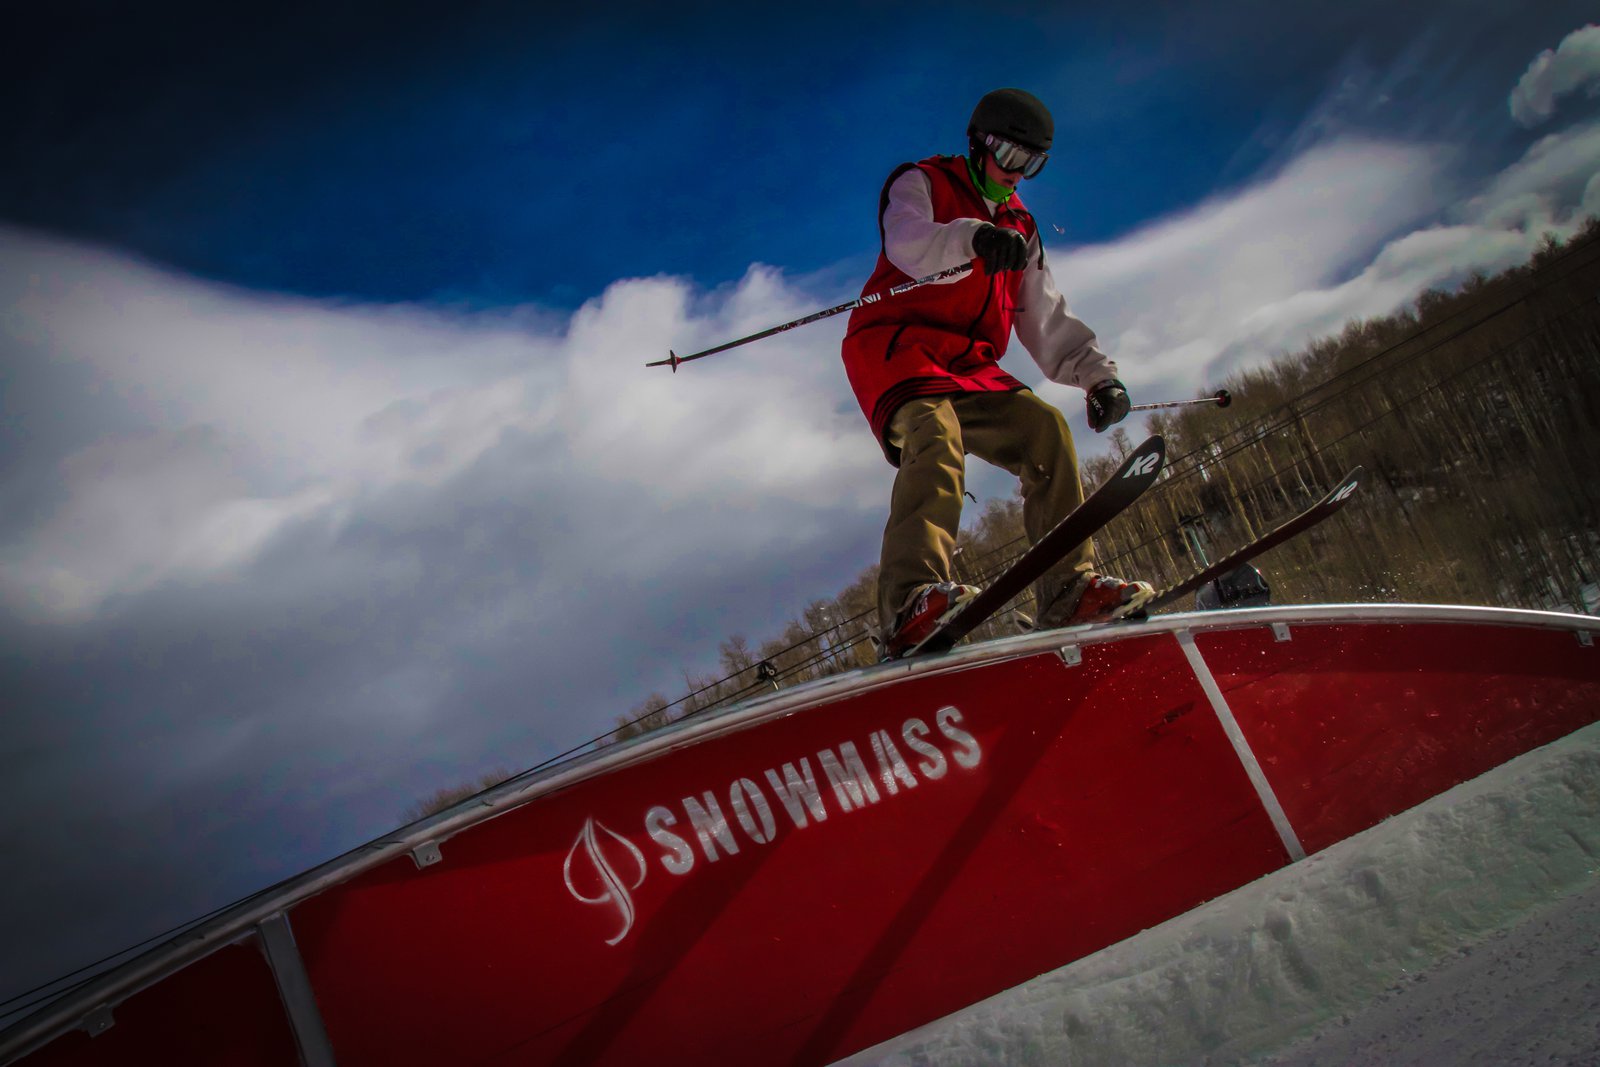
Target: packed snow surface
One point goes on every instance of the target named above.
(1465, 931)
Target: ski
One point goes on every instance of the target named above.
(1136, 474)
(1299, 524)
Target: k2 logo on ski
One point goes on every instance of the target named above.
(1143, 465)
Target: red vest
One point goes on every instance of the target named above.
(938, 339)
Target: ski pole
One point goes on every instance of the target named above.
(1222, 398)
(673, 359)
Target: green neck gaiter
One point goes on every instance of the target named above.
(991, 190)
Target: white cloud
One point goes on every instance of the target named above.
(1574, 64)
(1174, 302)
(726, 425)
(1349, 230)
(252, 415)
(243, 418)
(1547, 187)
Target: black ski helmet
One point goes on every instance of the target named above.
(1015, 115)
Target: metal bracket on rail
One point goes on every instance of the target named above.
(1280, 632)
(276, 937)
(1071, 655)
(426, 854)
(97, 1021)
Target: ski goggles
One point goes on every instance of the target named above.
(1013, 158)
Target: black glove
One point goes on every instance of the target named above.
(1000, 249)
(1108, 405)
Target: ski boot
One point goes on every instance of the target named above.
(1102, 598)
(929, 606)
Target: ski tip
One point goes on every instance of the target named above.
(1154, 443)
(1147, 459)
(1346, 487)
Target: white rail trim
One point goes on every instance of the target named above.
(1247, 756)
(294, 989)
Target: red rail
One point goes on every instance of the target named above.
(821, 869)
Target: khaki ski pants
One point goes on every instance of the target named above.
(1017, 432)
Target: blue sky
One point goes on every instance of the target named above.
(424, 156)
(330, 473)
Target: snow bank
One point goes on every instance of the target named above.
(1465, 930)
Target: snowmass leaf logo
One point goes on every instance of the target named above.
(617, 892)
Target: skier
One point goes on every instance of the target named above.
(925, 369)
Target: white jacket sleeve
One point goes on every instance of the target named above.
(1057, 339)
(916, 244)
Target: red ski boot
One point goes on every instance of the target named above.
(1103, 598)
(930, 606)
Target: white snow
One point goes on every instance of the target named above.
(1465, 931)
